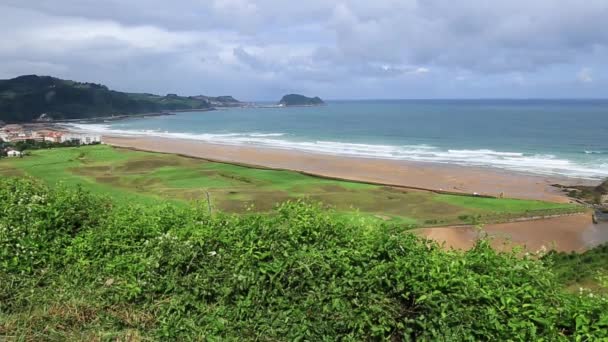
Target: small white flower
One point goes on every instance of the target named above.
(212, 253)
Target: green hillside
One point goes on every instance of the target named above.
(25, 98)
(78, 267)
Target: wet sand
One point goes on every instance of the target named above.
(431, 176)
(568, 233)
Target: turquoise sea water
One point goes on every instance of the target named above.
(558, 137)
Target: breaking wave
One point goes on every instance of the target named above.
(546, 164)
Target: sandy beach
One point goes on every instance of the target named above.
(431, 176)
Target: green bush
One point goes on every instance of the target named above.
(36, 224)
(173, 273)
(573, 268)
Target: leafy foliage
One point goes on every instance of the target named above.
(87, 269)
(579, 268)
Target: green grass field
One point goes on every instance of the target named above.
(144, 177)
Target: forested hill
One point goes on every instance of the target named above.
(26, 98)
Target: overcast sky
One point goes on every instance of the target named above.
(262, 49)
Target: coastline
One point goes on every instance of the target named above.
(128, 116)
(418, 175)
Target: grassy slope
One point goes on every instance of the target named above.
(74, 267)
(149, 177)
(581, 270)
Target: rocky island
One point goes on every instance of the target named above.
(300, 100)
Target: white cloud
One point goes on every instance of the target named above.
(585, 75)
(421, 70)
(22, 67)
(337, 46)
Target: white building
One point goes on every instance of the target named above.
(13, 153)
(84, 139)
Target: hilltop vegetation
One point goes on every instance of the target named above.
(74, 266)
(300, 100)
(25, 98)
(581, 269)
(152, 177)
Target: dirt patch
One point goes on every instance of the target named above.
(235, 177)
(91, 170)
(145, 182)
(184, 194)
(145, 165)
(11, 172)
(420, 204)
(113, 180)
(397, 190)
(417, 205)
(567, 233)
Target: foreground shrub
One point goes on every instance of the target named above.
(35, 224)
(178, 273)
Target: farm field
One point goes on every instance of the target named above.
(134, 176)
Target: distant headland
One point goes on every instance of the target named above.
(33, 98)
(44, 98)
(300, 100)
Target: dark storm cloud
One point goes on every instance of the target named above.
(254, 48)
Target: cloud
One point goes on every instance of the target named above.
(421, 70)
(23, 66)
(249, 59)
(501, 37)
(584, 75)
(379, 47)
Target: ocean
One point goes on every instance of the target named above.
(549, 137)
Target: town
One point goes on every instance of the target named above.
(15, 139)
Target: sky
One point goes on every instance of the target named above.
(358, 49)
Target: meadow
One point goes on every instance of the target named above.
(129, 176)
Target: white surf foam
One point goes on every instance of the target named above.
(545, 164)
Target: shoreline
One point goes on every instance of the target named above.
(127, 116)
(436, 177)
(572, 232)
(565, 233)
